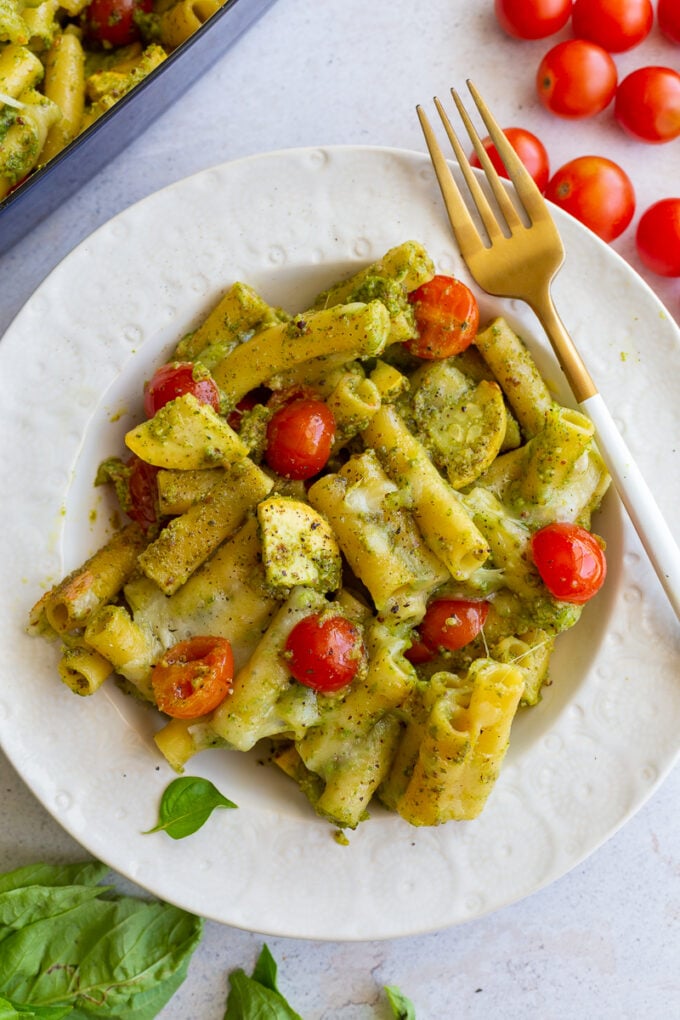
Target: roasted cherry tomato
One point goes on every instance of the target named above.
(658, 237)
(576, 78)
(452, 623)
(247, 403)
(616, 25)
(142, 493)
(668, 16)
(530, 150)
(595, 191)
(193, 677)
(419, 651)
(299, 438)
(447, 317)
(325, 652)
(113, 22)
(648, 104)
(532, 19)
(570, 560)
(174, 380)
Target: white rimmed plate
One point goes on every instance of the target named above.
(71, 369)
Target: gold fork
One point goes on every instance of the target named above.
(522, 255)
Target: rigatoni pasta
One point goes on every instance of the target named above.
(408, 549)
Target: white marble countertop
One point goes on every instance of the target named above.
(603, 940)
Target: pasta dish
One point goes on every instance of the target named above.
(351, 535)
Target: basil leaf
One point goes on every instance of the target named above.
(250, 1000)
(265, 969)
(21, 907)
(83, 873)
(402, 1007)
(258, 997)
(186, 805)
(110, 957)
(10, 1011)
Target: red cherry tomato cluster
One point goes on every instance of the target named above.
(579, 78)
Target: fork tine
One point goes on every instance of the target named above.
(462, 224)
(500, 194)
(525, 186)
(487, 215)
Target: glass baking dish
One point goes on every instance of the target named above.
(47, 187)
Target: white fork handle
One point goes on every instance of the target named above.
(647, 519)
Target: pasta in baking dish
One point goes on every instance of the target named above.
(354, 533)
(64, 63)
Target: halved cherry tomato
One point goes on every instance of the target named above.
(528, 147)
(648, 104)
(174, 380)
(576, 78)
(112, 22)
(299, 438)
(325, 652)
(668, 16)
(658, 237)
(532, 19)
(616, 25)
(597, 192)
(447, 317)
(142, 492)
(570, 560)
(193, 677)
(452, 623)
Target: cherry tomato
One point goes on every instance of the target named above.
(570, 560)
(247, 403)
(528, 147)
(193, 677)
(325, 652)
(174, 380)
(452, 623)
(658, 237)
(668, 16)
(532, 19)
(648, 104)
(617, 25)
(595, 191)
(112, 22)
(299, 438)
(576, 79)
(447, 317)
(142, 493)
(419, 651)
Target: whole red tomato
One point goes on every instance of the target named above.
(112, 22)
(532, 19)
(595, 191)
(658, 237)
(617, 25)
(647, 104)
(668, 15)
(530, 150)
(576, 78)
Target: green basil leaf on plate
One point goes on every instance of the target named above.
(186, 805)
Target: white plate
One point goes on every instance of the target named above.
(71, 371)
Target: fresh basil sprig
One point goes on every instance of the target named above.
(71, 947)
(186, 805)
(258, 997)
(402, 1007)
